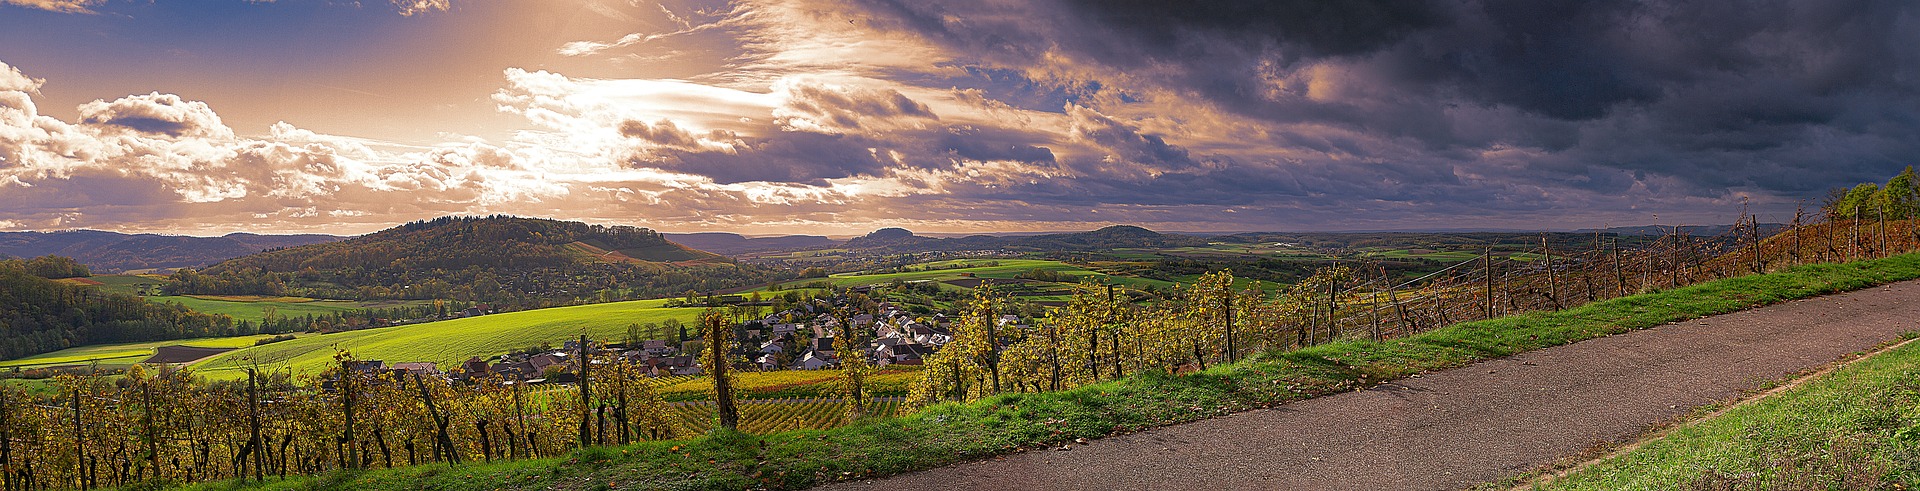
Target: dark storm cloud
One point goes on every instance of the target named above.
(846, 109)
(809, 157)
(1695, 98)
(797, 157)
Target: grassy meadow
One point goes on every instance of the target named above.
(450, 342)
(250, 308)
(124, 354)
(1853, 428)
(961, 270)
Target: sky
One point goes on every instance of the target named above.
(837, 117)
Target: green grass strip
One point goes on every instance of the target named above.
(1857, 427)
(951, 433)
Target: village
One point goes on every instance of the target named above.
(799, 337)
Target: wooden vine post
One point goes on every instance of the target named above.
(1333, 305)
(1226, 302)
(253, 425)
(442, 440)
(1486, 266)
(586, 402)
(520, 425)
(6, 439)
(79, 445)
(1553, 285)
(1373, 310)
(719, 337)
(1406, 325)
(346, 403)
(1884, 252)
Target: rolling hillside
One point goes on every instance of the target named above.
(452, 341)
(733, 244)
(1113, 237)
(112, 252)
(492, 259)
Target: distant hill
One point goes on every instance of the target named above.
(1766, 229)
(113, 252)
(895, 238)
(1113, 237)
(734, 244)
(493, 259)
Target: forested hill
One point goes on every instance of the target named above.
(112, 252)
(39, 315)
(491, 259)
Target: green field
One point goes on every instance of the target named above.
(451, 341)
(253, 310)
(1854, 428)
(250, 309)
(1227, 250)
(940, 272)
(957, 269)
(121, 355)
(1437, 255)
(129, 284)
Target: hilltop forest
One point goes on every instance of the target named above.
(500, 259)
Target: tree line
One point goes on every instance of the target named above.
(1898, 199)
(39, 315)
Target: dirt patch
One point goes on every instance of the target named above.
(82, 281)
(182, 354)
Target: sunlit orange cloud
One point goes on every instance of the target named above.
(825, 116)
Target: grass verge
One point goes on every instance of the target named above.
(951, 433)
(1854, 428)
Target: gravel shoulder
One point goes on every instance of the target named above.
(1463, 427)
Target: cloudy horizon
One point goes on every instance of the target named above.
(837, 117)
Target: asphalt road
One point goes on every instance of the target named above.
(1463, 427)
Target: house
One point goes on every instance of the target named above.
(824, 326)
(418, 368)
(775, 345)
(906, 354)
(890, 341)
(768, 361)
(366, 366)
(929, 335)
(657, 347)
(544, 360)
(636, 356)
(515, 369)
(475, 367)
(786, 328)
(813, 360)
(823, 344)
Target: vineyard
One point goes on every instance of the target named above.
(1099, 335)
(766, 417)
(169, 425)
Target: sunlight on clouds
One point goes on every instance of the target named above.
(63, 6)
(411, 7)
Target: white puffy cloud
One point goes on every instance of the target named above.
(11, 80)
(411, 7)
(157, 113)
(64, 6)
